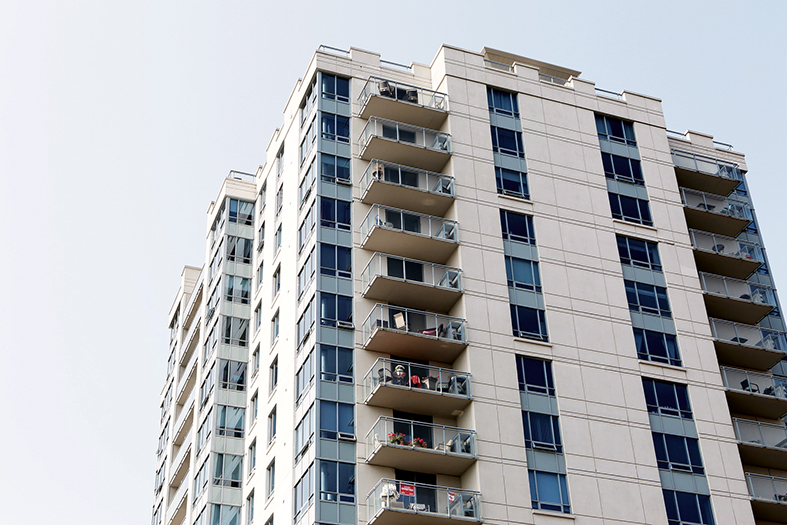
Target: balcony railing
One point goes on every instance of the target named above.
(749, 335)
(177, 502)
(414, 322)
(402, 185)
(409, 222)
(714, 213)
(737, 289)
(381, 87)
(754, 382)
(723, 245)
(708, 165)
(390, 495)
(240, 175)
(415, 435)
(405, 278)
(767, 488)
(758, 433)
(435, 145)
(409, 376)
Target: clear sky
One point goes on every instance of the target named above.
(118, 121)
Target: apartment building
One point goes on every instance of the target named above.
(480, 290)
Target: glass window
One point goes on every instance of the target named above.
(206, 389)
(335, 310)
(241, 212)
(630, 209)
(304, 489)
(334, 169)
(337, 481)
(657, 346)
(277, 239)
(239, 249)
(305, 323)
(236, 331)
(522, 274)
(270, 478)
(307, 183)
(535, 375)
(678, 453)
(622, 169)
(275, 327)
(259, 275)
(639, 253)
(507, 142)
(276, 282)
(255, 361)
(271, 425)
(684, 508)
(541, 431)
(335, 127)
(250, 508)
(336, 364)
(306, 275)
(254, 405)
(667, 399)
(229, 421)
(304, 377)
(202, 479)
(336, 420)
(548, 491)
(334, 213)
(528, 322)
(335, 88)
(227, 470)
(335, 260)
(304, 433)
(502, 102)
(237, 289)
(647, 298)
(615, 130)
(307, 143)
(273, 374)
(510, 182)
(517, 227)
(232, 375)
(205, 429)
(306, 228)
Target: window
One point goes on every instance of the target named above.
(261, 237)
(227, 470)
(156, 520)
(253, 456)
(334, 169)
(203, 434)
(622, 169)
(210, 345)
(334, 213)
(202, 479)
(225, 515)
(667, 399)
(239, 249)
(229, 421)
(678, 453)
(276, 283)
(279, 199)
(237, 289)
(255, 361)
(215, 297)
(306, 229)
(303, 492)
(171, 362)
(337, 481)
(273, 375)
(206, 388)
(642, 254)
(335, 260)
(306, 275)
(535, 375)
(541, 431)
(254, 405)
(647, 298)
(630, 209)
(336, 310)
(522, 274)
(215, 262)
(528, 322)
(548, 491)
(275, 327)
(335, 127)
(615, 130)
(335, 88)
(161, 476)
(304, 378)
(280, 163)
(163, 439)
(203, 517)
(271, 425)
(277, 239)
(257, 317)
(517, 227)
(307, 144)
(336, 364)
(689, 509)
(270, 520)
(507, 142)
(236, 331)
(502, 102)
(165, 404)
(309, 100)
(250, 508)
(336, 420)
(259, 275)
(270, 478)
(304, 433)
(241, 212)
(510, 182)
(232, 375)
(657, 346)
(263, 195)
(305, 189)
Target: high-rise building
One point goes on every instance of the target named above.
(480, 290)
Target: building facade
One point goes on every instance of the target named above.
(480, 290)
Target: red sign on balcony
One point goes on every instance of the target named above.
(406, 489)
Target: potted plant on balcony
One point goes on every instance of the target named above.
(379, 171)
(418, 442)
(397, 438)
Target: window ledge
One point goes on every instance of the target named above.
(532, 341)
(521, 200)
(553, 514)
(636, 226)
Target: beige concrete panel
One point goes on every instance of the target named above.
(621, 501)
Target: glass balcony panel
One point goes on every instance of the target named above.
(714, 213)
(769, 495)
(736, 300)
(762, 444)
(404, 186)
(390, 99)
(749, 392)
(401, 143)
(391, 498)
(747, 345)
(706, 173)
(724, 255)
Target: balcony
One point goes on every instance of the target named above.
(406, 187)
(192, 338)
(713, 213)
(746, 345)
(176, 511)
(769, 497)
(735, 300)
(187, 378)
(725, 255)
(409, 234)
(392, 502)
(185, 418)
(180, 463)
(415, 283)
(420, 389)
(414, 334)
(761, 444)
(388, 99)
(404, 144)
(705, 173)
(421, 447)
(760, 395)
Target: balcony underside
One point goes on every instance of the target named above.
(705, 182)
(415, 346)
(180, 513)
(394, 109)
(775, 511)
(755, 404)
(182, 468)
(183, 429)
(411, 245)
(699, 219)
(405, 153)
(737, 310)
(419, 459)
(397, 516)
(417, 401)
(770, 457)
(412, 294)
(751, 357)
(720, 264)
(407, 198)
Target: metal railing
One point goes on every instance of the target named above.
(408, 177)
(178, 499)
(388, 431)
(709, 165)
(333, 50)
(723, 245)
(410, 376)
(754, 382)
(767, 488)
(500, 66)
(190, 335)
(409, 222)
(189, 369)
(715, 204)
(188, 406)
(758, 433)
(412, 271)
(409, 321)
(609, 94)
(420, 498)
(381, 87)
(404, 133)
(552, 80)
(182, 451)
(240, 175)
(748, 335)
(737, 289)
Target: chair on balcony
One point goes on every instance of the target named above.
(385, 89)
(707, 207)
(412, 96)
(399, 322)
(750, 387)
(718, 248)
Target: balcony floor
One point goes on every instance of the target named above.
(415, 346)
(742, 356)
(401, 111)
(769, 457)
(727, 265)
(417, 401)
(420, 459)
(775, 511)
(411, 245)
(396, 516)
(755, 404)
(699, 219)
(737, 310)
(405, 153)
(407, 198)
(705, 182)
(412, 294)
